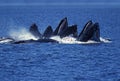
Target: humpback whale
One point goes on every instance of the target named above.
(96, 33)
(34, 31)
(90, 31)
(71, 30)
(61, 27)
(48, 32)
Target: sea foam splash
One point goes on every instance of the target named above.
(21, 34)
(105, 40)
(72, 40)
(65, 40)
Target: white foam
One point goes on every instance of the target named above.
(72, 40)
(5, 41)
(66, 40)
(21, 34)
(105, 40)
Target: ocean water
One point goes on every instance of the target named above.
(59, 62)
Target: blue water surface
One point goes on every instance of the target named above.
(60, 62)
